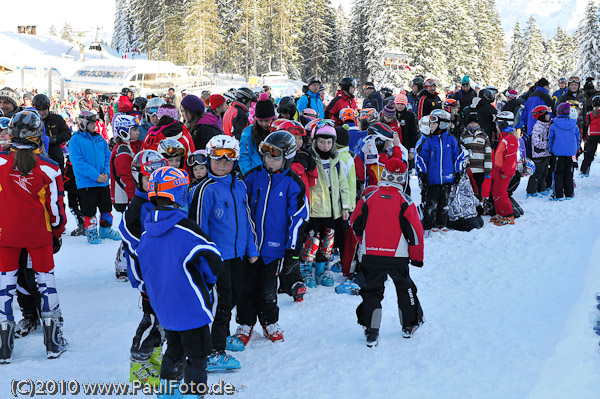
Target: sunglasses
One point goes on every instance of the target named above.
(151, 166)
(270, 149)
(229, 153)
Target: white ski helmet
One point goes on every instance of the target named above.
(122, 125)
(223, 146)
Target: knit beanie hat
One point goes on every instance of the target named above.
(472, 117)
(216, 100)
(264, 110)
(401, 99)
(193, 104)
(563, 109)
(9, 95)
(542, 82)
(589, 84)
(169, 110)
(465, 79)
(512, 94)
(342, 135)
(389, 110)
(394, 171)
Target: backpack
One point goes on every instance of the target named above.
(519, 120)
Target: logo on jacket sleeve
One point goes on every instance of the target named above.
(219, 213)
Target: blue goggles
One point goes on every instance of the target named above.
(4, 122)
(152, 111)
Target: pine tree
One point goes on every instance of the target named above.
(566, 53)
(552, 63)
(534, 51)
(359, 39)
(53, 31)
(589, 43)
(517, 59)
(201, 39)
(67, 32)
(316, 41)
(230, 17)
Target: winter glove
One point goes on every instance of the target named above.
(416, 263)
(56, 244)
(538, 150)
(291, 261)
(422, 181)
(457, 177)
(302, 159)
(312, 163)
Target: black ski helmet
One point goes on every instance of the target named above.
(287, 104)
(140, 103)
(347, 82)
(487, 94)
(25, 129)
(283, 141)
(244, 94)
(41, 101)
(596, 101)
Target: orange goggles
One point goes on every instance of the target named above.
(229, 153)
(175, 152)
(270, 149)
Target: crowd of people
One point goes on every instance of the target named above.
(257, 196)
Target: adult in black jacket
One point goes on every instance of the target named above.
(408, 125)
(485, 113)
(428, 99)
(373, 98)
(56, 129)
(466, 94)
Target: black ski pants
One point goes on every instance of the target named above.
(259, 295)
(229, 290)
(563, 177)
(435, 211)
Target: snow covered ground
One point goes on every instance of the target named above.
(509, 312)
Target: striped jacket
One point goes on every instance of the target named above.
(478, 144)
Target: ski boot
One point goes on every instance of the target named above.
(79, 231)
(221, 361)
(7, 341)
(372, 336)
(243, 334)
(306, 271)
(92, 236)
(53, 337)
(121, 265)
(156, 358)
(170, 390)
(26, 325)
(322, 276)
(502, 221)
(108, 232)
(234, 344)
(408, 332)
(144, 371)
(273, 332)
(298, 291)
(348, 287)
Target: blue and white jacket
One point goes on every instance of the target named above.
(316, 103)
(131, 228)
(90, 157)
(220, 207)
(180, 265)
(279, 208)
(439, 158)
(249, 156)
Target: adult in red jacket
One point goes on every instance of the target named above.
(505, 165)
(32, 189)
(235, 120)
(344, 99)
(386, 223)
(168, 127)
(126, 101)
(429, 99)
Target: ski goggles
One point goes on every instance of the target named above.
(4, 121)
(325, 122)
(152, 111)
(574, 79)
(230, 154)
(271, 150)
(153, 165)
(92, 119)
(434, 119)
(365, 87)
(196, 158)
(172, 152)
(296, 130)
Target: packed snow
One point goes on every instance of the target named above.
(509, 314)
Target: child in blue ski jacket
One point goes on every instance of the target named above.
(563, 142)
(279, 209)
(219, 204)
(180, 265)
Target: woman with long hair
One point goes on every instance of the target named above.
(32, 189)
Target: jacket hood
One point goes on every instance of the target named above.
(172, 130)
(227, 179)
(162, 219)
(344, 95)
(563, 121)
(480, 103)
(212, 120)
